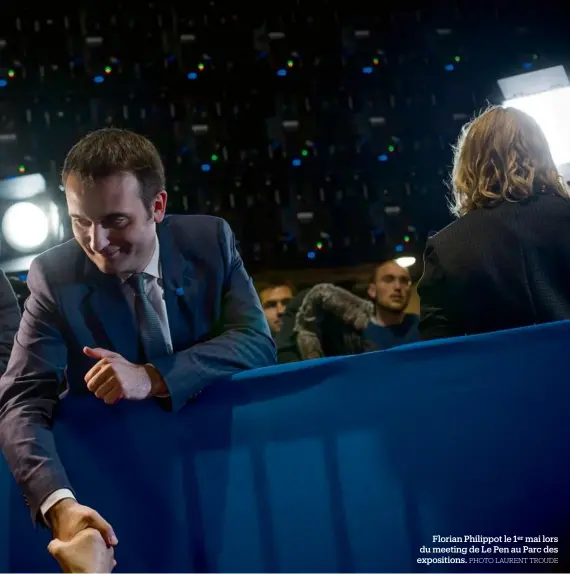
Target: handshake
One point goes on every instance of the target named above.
(83, 541)
(87, 551)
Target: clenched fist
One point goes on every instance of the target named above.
(114, 378)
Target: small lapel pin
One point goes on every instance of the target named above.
(179, 291)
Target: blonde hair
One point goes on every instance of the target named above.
(502, 155)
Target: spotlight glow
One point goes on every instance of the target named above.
(25, 226)
(407, 261)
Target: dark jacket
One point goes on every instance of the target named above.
(498, 268)
(9, 320)
(217, 326)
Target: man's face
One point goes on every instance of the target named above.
(111, 223)
(391, 290)
(274, 302)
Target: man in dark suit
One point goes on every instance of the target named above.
(137, 306)
(9, 320)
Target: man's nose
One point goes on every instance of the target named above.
(98, 239)
(281, 309)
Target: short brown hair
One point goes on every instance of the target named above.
(266, 285)
(110, 151)
(502, 155)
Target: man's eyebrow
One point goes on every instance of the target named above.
(113, 215)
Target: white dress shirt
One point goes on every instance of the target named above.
(155, 292)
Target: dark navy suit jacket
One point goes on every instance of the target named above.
(217, 325)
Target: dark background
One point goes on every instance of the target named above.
(298, 122)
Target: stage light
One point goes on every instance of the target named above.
(544, 95)
(406, 261)
(98, 79)
(25, 226)
(552, 112)
(399, 248)
(282, 73)
(311, 255)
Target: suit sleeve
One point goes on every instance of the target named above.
(29, 394)
(435, 300)
(243, 342)
(9, 320)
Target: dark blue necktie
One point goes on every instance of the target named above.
(150, 329)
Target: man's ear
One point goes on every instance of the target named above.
(372, 291)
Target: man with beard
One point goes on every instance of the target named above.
(335, 322)
(390, 291)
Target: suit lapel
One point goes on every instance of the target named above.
(180, 289)
(111, 311)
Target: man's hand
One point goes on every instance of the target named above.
(114, 378)
(68, 518)
(85, 552)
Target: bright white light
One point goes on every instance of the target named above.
(25, 226)
(406, 261)
(551, 110)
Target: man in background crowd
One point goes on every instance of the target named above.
(274, 299)
(334, 322)
(286, 339)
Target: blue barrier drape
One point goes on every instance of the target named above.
(349, 464)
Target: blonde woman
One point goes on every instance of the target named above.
(505, 262)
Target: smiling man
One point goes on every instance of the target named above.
(138, 306)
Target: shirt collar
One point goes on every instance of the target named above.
(153, 267)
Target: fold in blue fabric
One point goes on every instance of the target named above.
(339, 465)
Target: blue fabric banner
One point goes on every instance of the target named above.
(354, 464)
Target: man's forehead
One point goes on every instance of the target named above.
(392, 268)
(275, 293)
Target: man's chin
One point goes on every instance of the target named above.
(109, 266)
(396, 307)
